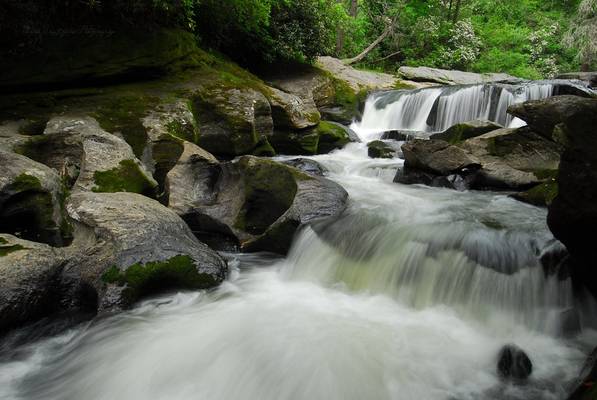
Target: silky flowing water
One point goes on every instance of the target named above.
(409, 295)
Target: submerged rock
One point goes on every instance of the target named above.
(29, 281)
(255, 204)
(514, 363)
(306, 165)
(402, 135)
(128, 246)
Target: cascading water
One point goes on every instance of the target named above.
(408, 296)
(436, 109)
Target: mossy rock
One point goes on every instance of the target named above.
(466, 130)
(541, 195)
(379, 149)
(142, 279)
(321, 139)
(264, 148)
(127, 177)
(331, 137)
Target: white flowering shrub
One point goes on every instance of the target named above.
(541, 58)
(463, 46)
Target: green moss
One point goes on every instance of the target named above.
(127, 177)
(331, 136)
(123, 113)
(547, 174)
(3, 241)
(540, 195)
(5, 250)
(25, 182)
(379, 149)
(141, 279)
(184, 132)
(264, 148)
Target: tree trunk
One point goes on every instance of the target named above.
(373, 45)
(449, 11)
(456, 11)
(354, 8)
(339, 37)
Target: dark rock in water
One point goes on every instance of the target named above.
(258, 203)
(514, 363)
(570, 324)
(306, 165)
(553, 260)
(379, 149)
(337, 114)
(466, 130)
(321, 139)
(402, 135)
(571, 121)
(586, 388)
(436, 156)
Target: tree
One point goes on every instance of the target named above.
(583, 34)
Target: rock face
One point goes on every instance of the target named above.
(588, 77)
(29, 281)
(31, 196)
(306, 165)
(89, 157)
(514, 363)
(450, 77)
(252, 203)
(355, 78)
(466, 130)
(128, 246)
(571, 120)
(290, 111)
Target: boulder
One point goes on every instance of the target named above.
(231, 120)
(88, 157)
(29, 281)
(31, 198)
(547, 117)
(255, 204)
(402, 135)
(436, 156)
(573, 212)
(321, 139)
(290, 111)
(513, 363)
(450, 77)
(355, 78)
(379, 149)
(128, 246)
(466, 130)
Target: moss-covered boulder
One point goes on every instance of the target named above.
(541, 195)
(466, 130)
(321, 139)
(128, 246)
(29, 281)
(380, 149)
(253, 204)
(88, 157)
(290, 111)
(231, 120)
(31, 200)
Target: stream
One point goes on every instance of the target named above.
(409, 295)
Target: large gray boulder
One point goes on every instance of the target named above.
(128, 246)
(31, 196)
(436, 156)
(466, 130)
(290, 111)
(252, 203)
(88, 157)
(29, 281)
(450, 77)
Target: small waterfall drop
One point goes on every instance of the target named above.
(436, 109)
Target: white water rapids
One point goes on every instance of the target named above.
(408, 296)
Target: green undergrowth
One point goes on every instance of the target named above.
(127, 177)
(141, 279)
(5, 250)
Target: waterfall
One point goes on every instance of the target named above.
(436, 109)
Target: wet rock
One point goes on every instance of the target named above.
(29, 281)
(402, 135)
(466, 130)
(306, 165)
(449, 77)
(586, 389)
(31, 196)
(436, 156)
(321, 139)
(379, 149)
(588, 77)
(513, 363)
(259, 203)
(127, 246)
(570, 324)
